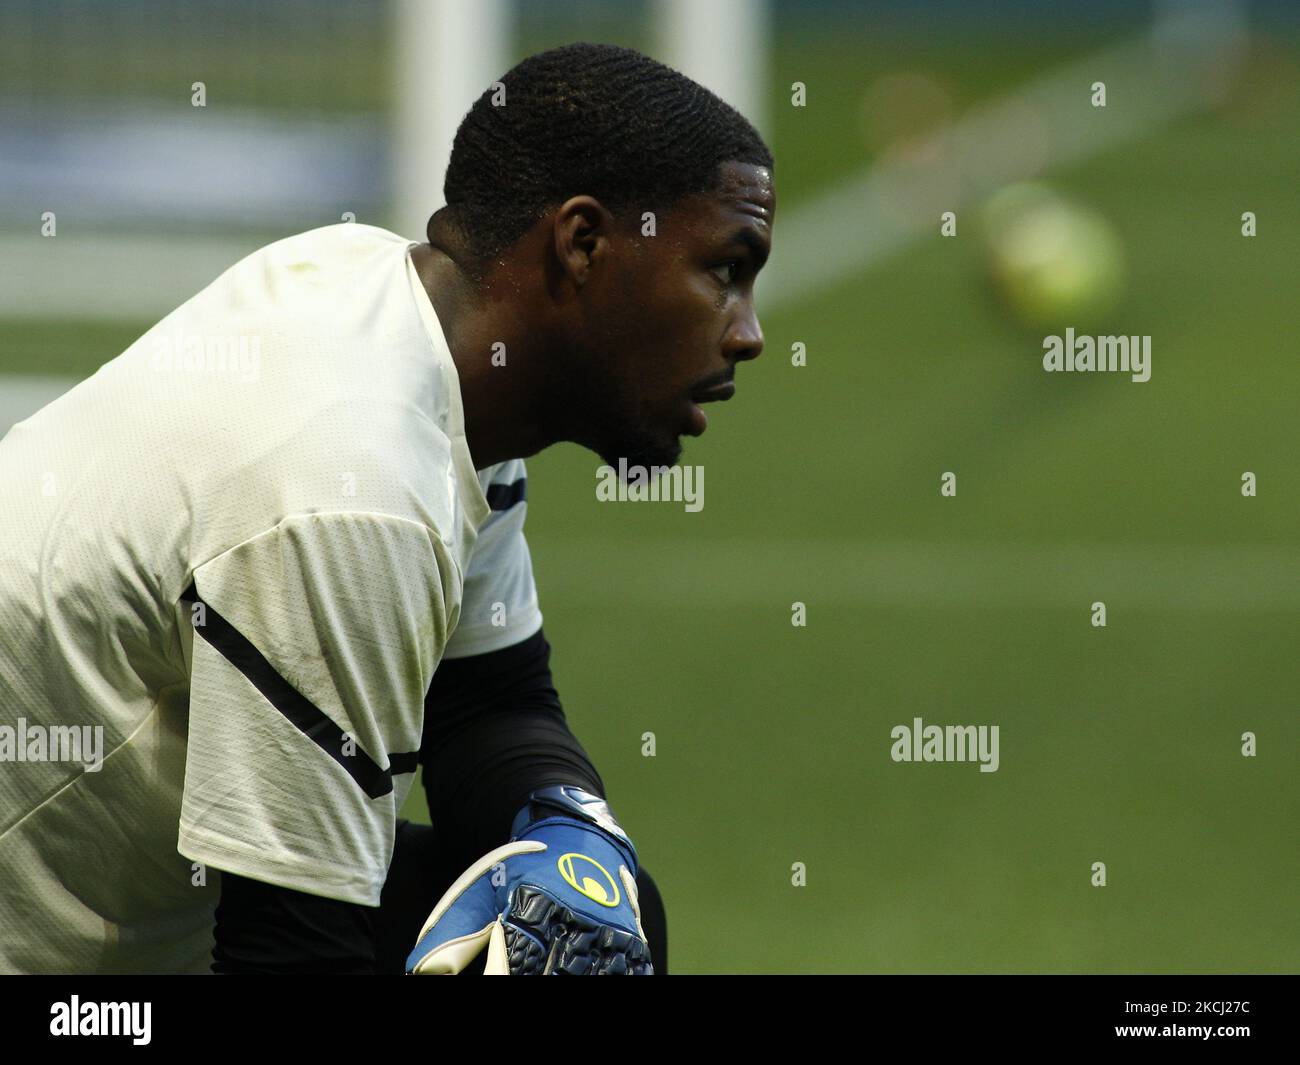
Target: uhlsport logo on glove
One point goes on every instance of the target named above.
(578, 877)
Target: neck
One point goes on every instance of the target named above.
(504, 405)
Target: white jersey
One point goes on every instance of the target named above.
(230, 563)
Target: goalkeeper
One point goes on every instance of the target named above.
(279, 582)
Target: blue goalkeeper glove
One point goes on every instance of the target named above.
(559, 899)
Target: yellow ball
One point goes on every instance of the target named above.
(1052, 262)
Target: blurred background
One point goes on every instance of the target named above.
(923, 356)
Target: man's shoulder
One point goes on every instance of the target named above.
(340, 238)
(327, 267)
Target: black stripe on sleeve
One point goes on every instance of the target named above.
(404, 762)
(372, 778)
(505, 496)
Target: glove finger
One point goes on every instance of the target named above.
(448, 959)
(498, 959)
(545, 936)
(467, 879)
(633, 897)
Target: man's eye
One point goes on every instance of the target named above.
(727, 272)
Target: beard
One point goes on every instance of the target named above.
(616, 425)
(634, 441)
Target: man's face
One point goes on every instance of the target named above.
(673, 316)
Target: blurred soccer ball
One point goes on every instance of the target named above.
(1052, 262)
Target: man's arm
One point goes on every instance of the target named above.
(493, 726)
(494, 731)
(553, 884)
(494, 721)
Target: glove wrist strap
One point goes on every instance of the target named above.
(568, 801)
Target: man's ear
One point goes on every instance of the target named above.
(581, 228)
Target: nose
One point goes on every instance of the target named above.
(744, 340)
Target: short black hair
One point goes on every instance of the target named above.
(590, 119)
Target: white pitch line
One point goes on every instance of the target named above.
(1185, 63)
(110, 277)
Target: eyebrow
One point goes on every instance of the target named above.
(749, 237)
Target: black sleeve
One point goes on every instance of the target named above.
(266, 929)
(493, 731)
